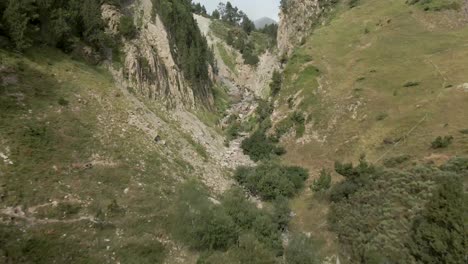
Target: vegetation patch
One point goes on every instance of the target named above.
(295, 120)
(437, 5)
(411, 84)
(228, 58)
(223, 229)
(127, 28)
(441, 142)
(270, 180)
(189, 46)
(323, 183)
(396, 161)
(382, 214)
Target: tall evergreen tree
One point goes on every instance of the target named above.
(247, 25)
(215, 14)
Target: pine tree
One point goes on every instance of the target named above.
(247, 25)
(215, 14)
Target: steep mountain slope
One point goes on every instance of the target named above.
(149, 64)
(92, 156)
(88, 168)
(139, 159)
(297, 18)
(231, 64)
(380, 78)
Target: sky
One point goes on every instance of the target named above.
(255, 9)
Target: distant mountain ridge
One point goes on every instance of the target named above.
(262, 22)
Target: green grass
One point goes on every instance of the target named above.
(222, 102)
(399, 50)
(365, 55)
(228, 57)
(60, 116)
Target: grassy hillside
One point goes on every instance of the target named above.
(384, 79)
(81, 180)
(381, 79)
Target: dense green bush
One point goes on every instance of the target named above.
(126, 27)
(379, 216)
(200, 223)
(211, 227)
(250, 57)
(249, 251)
(281, 212)
(441, 142)
(439, 234)
(276, 83)
(271, 180)
(323, 183)
(295, 120)
(301, 250)
(258, 146)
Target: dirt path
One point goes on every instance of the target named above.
(17, 213)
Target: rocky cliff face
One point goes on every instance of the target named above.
(148, 66)
(297, 19)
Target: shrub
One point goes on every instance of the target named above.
(438, 236)
(250, 57)
(464, 131)
(249, 218)
(411, 84)
(353, 3)
(381, 116)
(295, 120)
(270, 180)
(368, 217)
(232, 131)
(258, 146)
(356, 177)
(301, 250)
(395, 161)
(281, 212)
(276, 83)
(263, 110)
(63, 102)
(441, 142)
(200, 223)
(249, 250)
(323, 183)
(126, 27)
